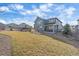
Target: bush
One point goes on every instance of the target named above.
(67, 29)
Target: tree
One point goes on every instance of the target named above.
(67, 29)
(11, 29)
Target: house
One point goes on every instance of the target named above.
(51, 25)
(72, 27)
(24, 27)
(11, 27)
(2, 26)
(76, 32)
(15, 27)
(75, 28)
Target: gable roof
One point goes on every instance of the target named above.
(56, 19)
(39, 18)
(22, 25)
(47, 20)
(13, 25)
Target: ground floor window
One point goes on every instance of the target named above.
(56, 28)
(48, 29)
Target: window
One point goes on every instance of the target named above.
(39, 22)
(52, 21)
(41, 27)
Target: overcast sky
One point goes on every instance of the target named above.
(27, 12)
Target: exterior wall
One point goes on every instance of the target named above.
(77, 28)
(76, 32)
(60, 27)
(73, 28)
(39, 25)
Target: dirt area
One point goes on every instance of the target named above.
(5, 45)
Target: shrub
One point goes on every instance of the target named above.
(67, 29)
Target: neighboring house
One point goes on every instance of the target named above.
(24, 27)
(2, 26)
(76, 32)
(73, 28)
(20, 27)
(77, 26)
(48, 25)
(11, 27)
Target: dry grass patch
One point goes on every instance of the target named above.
(26, 43)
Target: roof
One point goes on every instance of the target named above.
(39, 18)
(56, 18)
(46, 20)
(22, 25)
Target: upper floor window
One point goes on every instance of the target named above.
(52, 20)
(41, 26)
(39, 22)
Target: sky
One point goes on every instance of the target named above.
(27, 12)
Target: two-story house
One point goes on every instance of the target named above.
(48, 25)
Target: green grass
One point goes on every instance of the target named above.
(26, 43)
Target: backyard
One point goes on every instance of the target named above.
(29, 44)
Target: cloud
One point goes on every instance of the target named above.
(35, 12)
(74, 22)
(70, 11)
(11, 8)
(43, 10)
(66, 14)
(26, 12)
(38, 11)
(43, 7)
(46, 7)
(4, 9)
(34, 6)
(16, 6)
(3, 21)
(50, 4)
(66, 11)
(59, 8)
